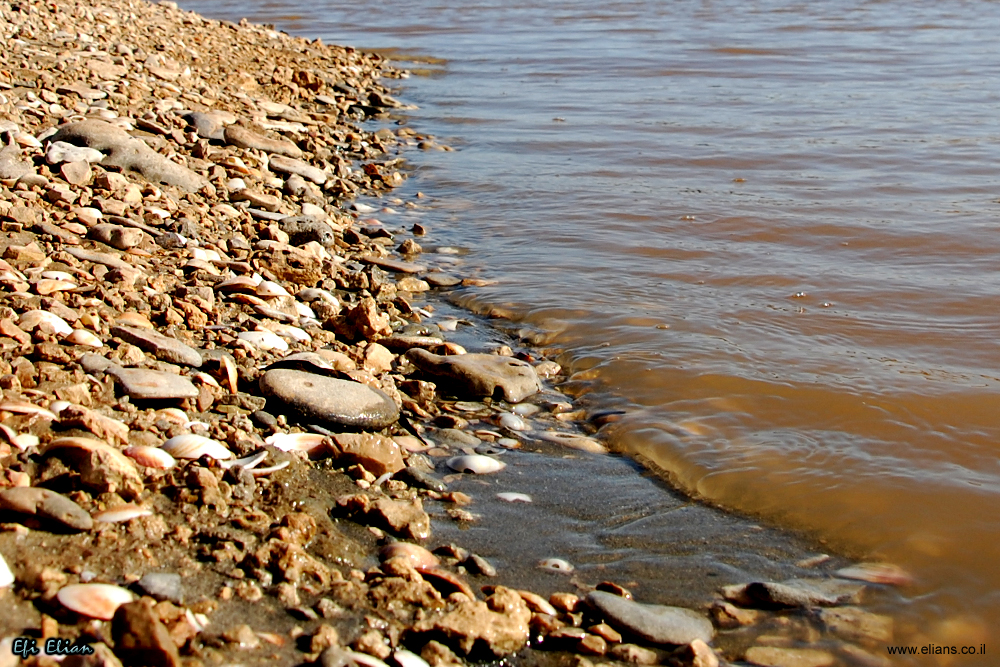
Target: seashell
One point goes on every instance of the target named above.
(264, 340)
(556, 565)
(304, 311)
(269, 288)
(33, 319)
(446, 582)
(405, 658)
(511, 497)
(311, 294)
(574, 441)
(273, 313)
(237, 284)
(526, 409)
(205, 255)
(20, 408)
(341, 657)
(58, 406)
(537, 603)
(205, 378)
(151, 457)
(289, 332)
(191, 446)
(418, 556)
(234, 184)
(512, 422)
(363, 208)
(509, 443)
(312, 443)
(134, 320)
(58, 275)
(94, 600)
(85, 338)
(247, 462)
(411, 443)
(877, 573)
(122, 513)
(48, 286)
(6, 576)
(23, 441)
(261, 472)
(174, 415)
(476, 464)
(26, 140)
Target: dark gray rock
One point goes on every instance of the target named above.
(480, 374)
(303, 229)
(657, 624)
(795, 593)
(329, 400)
(162, 347)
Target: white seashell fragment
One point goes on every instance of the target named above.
(264, 340)
(151, 457)
(405, 658)
(23, 441)
(475, 463)
(289, 332)
(261, 472)
(511, 497)
(269, 288)
(173, 415)
(85, 338)
(17, 407)
(94, 600)
(247, 462)
(574, 441)
(121, 513)
(6, 576)
(205, 378)
(46, 286)
(33, 319)
(58, 275)
(192, 446)
(526, 409)
(512, 422)
(304, 311)
(312, 294)
(297, 442)
(556, 565)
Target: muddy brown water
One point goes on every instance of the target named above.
(770, 229)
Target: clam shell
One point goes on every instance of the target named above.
(556, 565)
(247, 462)
(20, 408)
(264, 340)
(84, 337)
(134, 320)
(237, 284)
(313, 443)
(192, 446)
(537, 603)
(49, 286)
(205, 378)
(23, 441)
(416, 554)
(405, 658)
(574, 441)
(94, 600)
(269, 288)
(174, 415)
(476, 464)
(304, 311)
(33, 319)
(446, 582)
(511, 497)
(121, 513)
(311, 294)
(6, 576)
(512, 422)
(151, 457)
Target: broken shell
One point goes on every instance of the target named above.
(269, 288)
(511, 497)
(512, 422)
(26, 409)
(574, 441)
(297, 442)
(23, 441)
(174, 415)
(304, 311)
(537, 603)
(84, 337)
(58, 275)
(122, 513)
(151, 457)
(311, 294)
(134, 320)
(446, 582)
(205, 378)
(48, 286)
(94, 600)
(261, 472)
(192, 446)
(447, 325)
(418, 556)
(556, 565)
(33, 319)
(237, 284)
(6, 576)
(476, 464)
(294, 334)
(877, 573)
(247, 462)
(264, 340)
(405, 658)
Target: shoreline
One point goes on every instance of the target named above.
(273, 566)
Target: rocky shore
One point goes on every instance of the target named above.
(229, 404)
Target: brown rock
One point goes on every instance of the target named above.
(293, 265)
(378, 359)
(770, 656)
(364, 320)
(141, 639)
(207, 485)
(480, 374)
(46, 505)
(76, 173)
(244, 138)
(103, 427)
(116, 236)
(101, 467)
(636, 655)
(377, 453)
(499, 625)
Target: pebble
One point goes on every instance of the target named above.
(162, 586)
(145, 384)
(244, 138)
(771, 656)
(49, 506)
(657, 624)
(330, 400)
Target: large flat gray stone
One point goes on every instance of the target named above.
(329, 400)
(658, 624)
(145, 384)
(480, 374)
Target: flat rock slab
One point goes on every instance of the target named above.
(329, 400)
(771, 656)
(480, 374)
(658, 624)
(47, 506)
(795, 593)
(162, 347)
(144, 384)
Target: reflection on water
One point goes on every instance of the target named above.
(771, 227)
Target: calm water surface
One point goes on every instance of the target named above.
(772, 227)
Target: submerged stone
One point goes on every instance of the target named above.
(329, 400)
(480, 374)
(658, 624)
